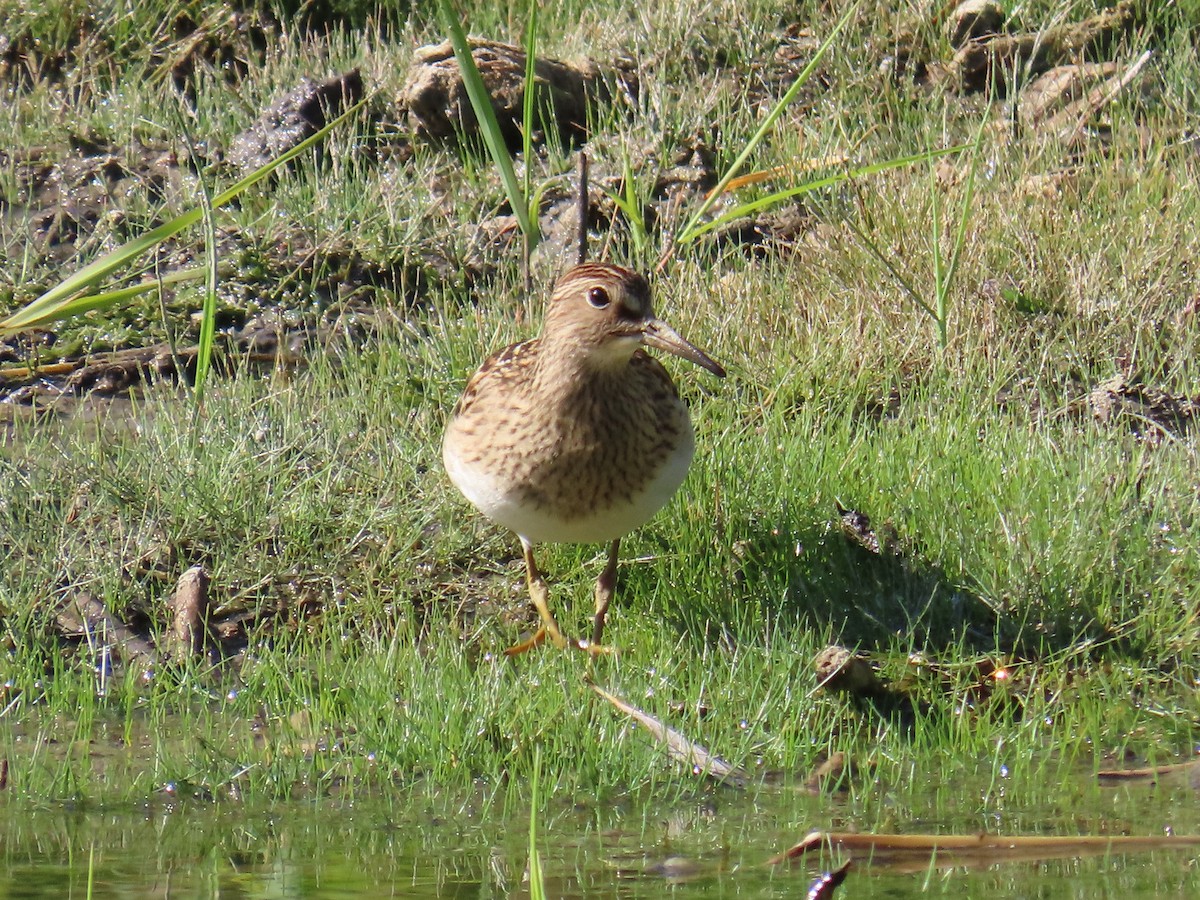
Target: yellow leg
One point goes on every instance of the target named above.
(606, 587)
(539, 593)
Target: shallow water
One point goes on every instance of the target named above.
(711, 844)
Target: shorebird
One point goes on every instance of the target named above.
(577, 435)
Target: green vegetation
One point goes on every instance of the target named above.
(1018, 525)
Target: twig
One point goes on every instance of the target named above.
(678, 746)
(1071, 120)
(582, 206)
(913, 852)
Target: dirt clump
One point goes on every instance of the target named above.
(439, 109)
(998, 61)
(293, 118)
(991, 56)
(1139, 405)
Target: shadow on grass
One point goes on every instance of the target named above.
(866, 588)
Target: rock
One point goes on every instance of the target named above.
(843, 672)
(189, 611)
(294, 117)
(973, 19)
(439, 109)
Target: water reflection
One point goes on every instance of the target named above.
(712, 845)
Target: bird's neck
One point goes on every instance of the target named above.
(564, 366)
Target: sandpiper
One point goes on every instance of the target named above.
(577, 435)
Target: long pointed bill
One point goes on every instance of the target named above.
(659, 334)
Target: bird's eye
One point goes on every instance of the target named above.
(598, 297)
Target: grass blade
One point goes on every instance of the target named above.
(64, 299)
(208, 317)
(753, 206)
(537, 881)
(939, 267)
(693, 229)
(527, 104)
(946, 279)
(489, 126)
(100, 300)
(527, 112)
(885, 260)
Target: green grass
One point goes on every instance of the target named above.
(1025, 529)
(328, 484)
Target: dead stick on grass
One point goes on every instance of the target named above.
(582, 208)
(1071, 121)
(1146, 772)
(678, 746)
(135, 358)
(1123, 82)
(16, 373)
(984, 849)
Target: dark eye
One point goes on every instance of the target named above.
(598, 297)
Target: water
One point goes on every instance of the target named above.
(713, 843)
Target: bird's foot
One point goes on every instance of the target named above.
(557, 638)
(535, 640)
(596, 649)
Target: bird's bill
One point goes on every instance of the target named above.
(662, 336)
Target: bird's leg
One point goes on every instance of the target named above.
(539, 593)
(606, 586)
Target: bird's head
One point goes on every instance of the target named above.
(604, 310)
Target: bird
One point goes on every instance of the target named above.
(577, 435)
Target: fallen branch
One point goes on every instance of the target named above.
(824, 887)
(1004, 58)
(1069, 123)
(679, 747)
(114, 371)
(915, 852)
(1148, 772)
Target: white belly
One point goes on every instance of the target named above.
(592, 524)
